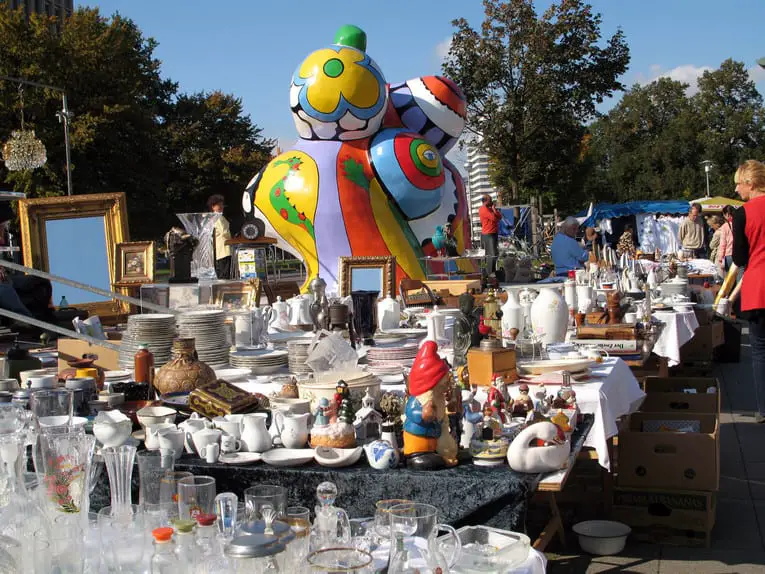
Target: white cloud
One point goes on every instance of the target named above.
(442, 49)
(687, 73)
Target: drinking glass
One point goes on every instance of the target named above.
(262, 496)
(299, 519)
(382, 517)
(168, 492)
(340, 560)
(152, 466)
(123, 538)
(226, 508)
(196, 495)
(52, 407)
(66, 544)
(66, 459)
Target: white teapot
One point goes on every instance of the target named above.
(278, 316)
(300, 311)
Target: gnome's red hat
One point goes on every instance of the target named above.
(427, 370)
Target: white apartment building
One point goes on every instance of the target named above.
(478, 184)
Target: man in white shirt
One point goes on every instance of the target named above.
(221, 233)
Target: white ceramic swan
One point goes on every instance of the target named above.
(523, 457)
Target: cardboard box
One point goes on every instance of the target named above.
(69, 349)
(666, 511)
(704, 341)
(671, 394)
(670, 460)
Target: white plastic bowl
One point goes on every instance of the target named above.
(602, 537)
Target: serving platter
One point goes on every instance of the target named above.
(552, 365)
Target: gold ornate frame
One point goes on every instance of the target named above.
(122, 277)
(386, 263)
(34, 213)
(250, 290)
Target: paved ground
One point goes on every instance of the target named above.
(738, 539)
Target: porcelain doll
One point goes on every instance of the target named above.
(472, 417)
(341, 392)
(523, 404)
(496, 399)
(428, 443)
(322, 413)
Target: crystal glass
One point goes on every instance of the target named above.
(168, 492)
(382, 517)
(196, 495)
(152, 466)
(226, 508)
(299, 519)
(201, 226)
(262, 496)
(418, 525)
(119, 466)
(123, 538)
(52, 407)
(66, 459)
(340, 560)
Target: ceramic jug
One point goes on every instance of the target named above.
(419, 522)
(300, 311)
(388, 313)
(255, 437)
(512, 314)
(293, 428)
(151, 437)
(549, 316)
(280, 316)
(191, 425)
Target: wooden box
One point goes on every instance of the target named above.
(221, 398)
(483, 365)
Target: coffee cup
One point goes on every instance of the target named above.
(229, 444)
(210, 452)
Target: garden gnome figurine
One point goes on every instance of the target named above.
(428, 442)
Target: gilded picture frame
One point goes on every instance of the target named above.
(36, 215)
(135, 263)
(354, 267)
(233, 296)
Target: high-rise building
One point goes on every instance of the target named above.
(59, 8)
(478, 185)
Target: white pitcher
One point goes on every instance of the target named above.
(255, 437)
(191, 425)
(300, 311)
(512, 314)
(293, 428)
(388, 313)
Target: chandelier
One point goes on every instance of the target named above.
(23, 151)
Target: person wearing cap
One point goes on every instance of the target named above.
(428, 444)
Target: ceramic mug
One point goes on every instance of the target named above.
(210, 452)
(229, 444)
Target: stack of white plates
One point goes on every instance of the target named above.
(298, 353)
(259, 361)
(157, 330)
(111, 377)
(208, 330)
(391, 359)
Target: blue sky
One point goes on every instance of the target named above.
(251, 47)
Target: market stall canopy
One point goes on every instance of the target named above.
(613, 210)
(710, 204)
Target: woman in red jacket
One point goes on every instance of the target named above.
(749, 252)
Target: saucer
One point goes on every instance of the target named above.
(288, 456)
(239, 457)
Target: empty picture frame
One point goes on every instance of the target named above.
(372, 273)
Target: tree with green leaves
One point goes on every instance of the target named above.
(531, 83)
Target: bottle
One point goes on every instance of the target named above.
(164, 560)
(186, 549)
(143, 364)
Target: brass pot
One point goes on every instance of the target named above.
(184, 372)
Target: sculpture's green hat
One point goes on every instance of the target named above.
(353, 36)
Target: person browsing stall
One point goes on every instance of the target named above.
(490, 217)
(222, 233)
(691, 233)
(567, 253)
(725, 250)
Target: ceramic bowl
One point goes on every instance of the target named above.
(337, 457)
(43, 382)
(112, 428)
(25, 375)
(59, 420)
(602, 537)
(155, 415)
(315, 391)
(288, 456)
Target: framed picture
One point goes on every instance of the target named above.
(135, 263)
(368, 274)
(238, 295)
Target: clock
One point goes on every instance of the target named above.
(253, 229)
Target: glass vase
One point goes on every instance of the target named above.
(66, 459)
(201, 226)
(119, 467)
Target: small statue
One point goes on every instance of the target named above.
(341, 392)
(346, 414)
(463, 377)
(492, 427)
(180, 246)
(428, 443)
(561, 421)
(565, 393)
(465, 331)
(323, 413)
(496, 399)
(472, 417)
(523, 404)
(320, 305)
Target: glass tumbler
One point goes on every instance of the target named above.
(196, 495)
(261, 496)
(52, 407)
(123, 538)
(168, 492)
(152, 466)
(299, 519)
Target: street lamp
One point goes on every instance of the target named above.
(707, 168)
(63, 116)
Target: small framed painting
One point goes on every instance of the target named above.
(238, 295)
(135, 263)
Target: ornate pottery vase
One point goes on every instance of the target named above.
(184, 372)
(549, 316)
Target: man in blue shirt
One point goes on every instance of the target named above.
(567, 252)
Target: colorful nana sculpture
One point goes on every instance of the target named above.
(368, 175)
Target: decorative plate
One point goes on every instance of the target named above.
(240, 457)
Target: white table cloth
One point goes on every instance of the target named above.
(679, 327)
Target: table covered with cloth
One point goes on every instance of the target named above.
(679, 327)
(465, 495)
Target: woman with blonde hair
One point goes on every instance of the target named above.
(749, 252)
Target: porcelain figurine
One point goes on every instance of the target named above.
(472, 417)
(522, 404)
(341, 393)
(367, 421)
(496, 399)
(428, 443)
(564, 396)
(491, 425)
(465, 331)
(381, 455)
(323, 413)
(522, 457)
(561, 421)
